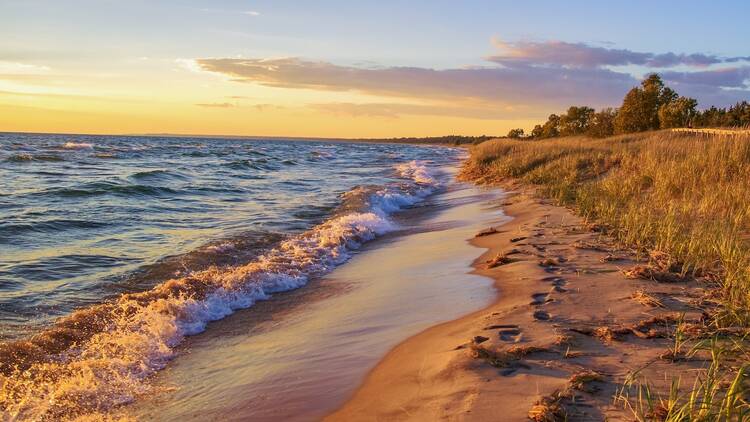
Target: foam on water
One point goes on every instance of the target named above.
(99, 357)
(77, 145)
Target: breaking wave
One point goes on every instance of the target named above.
(77, 145)
(99, 357)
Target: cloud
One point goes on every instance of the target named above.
(561, 53)
(226, 11)
(257, 107)
(733, 77)
(15, 68)
(216, 105)
(510, 86)
(524, 79)
(394, 110)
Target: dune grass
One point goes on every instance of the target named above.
(684, 195)
(687, 195)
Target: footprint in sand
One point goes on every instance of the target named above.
(555, 280)
(538, 299)
(542, 315)
(553, 270)
(511, 333)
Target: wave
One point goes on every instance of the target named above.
(11, 229)
(257, 164)
(77, 145)
(107, 188)
(27, 157)
(99, 357)
(158, 174)
(417, 171)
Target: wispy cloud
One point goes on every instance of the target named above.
(484, 84)
(394, 110)
(216, 105)
(563, 53)
(15, 68)
(239, 12)
(733, 77)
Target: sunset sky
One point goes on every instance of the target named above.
(351, 68)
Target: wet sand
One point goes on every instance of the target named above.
(300, 355)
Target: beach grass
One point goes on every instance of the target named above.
(681, 200)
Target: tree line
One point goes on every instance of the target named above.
(650, 106)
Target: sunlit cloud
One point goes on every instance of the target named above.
(532, 76)
(733, 77)
(15, 68)
(395, 110)
(216, 105)
(189, 64)
(242, 12)
(563, 53)
(496, 85)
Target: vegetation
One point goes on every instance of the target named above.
(449, 140)
(515, 133)
(686, 195)
(737, 115)
(650, 106)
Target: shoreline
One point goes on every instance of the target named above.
(561, 336)
(277, 361)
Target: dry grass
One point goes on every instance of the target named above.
(499, 260)
(582, 380)
(684, 194)
(547, 409)
(646, 299)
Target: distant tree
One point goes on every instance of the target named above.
(537, 131)
(552, 127)
(602, 123)
(515, 133)
(640, 108)
(576, 121)
(677, 113)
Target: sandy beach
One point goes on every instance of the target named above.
(565, 331)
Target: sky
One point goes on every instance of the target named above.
(352, 68)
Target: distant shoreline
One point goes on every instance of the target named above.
(426, 140)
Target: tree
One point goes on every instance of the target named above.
(515, 133)
(576, 121)
(677, 113)
(552, 127)
(602, 123)
(640, 108)
(537, 131)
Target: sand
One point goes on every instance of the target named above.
(567, 328)
(300, 355)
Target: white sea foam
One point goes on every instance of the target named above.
(418, 171)
(109, 368)
(77, 145)
(221, 247)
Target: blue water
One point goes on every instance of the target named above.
(87, 218)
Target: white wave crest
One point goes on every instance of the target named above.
(77, 145)
(417, 171)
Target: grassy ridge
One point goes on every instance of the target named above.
(684, 194)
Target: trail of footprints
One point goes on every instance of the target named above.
(540, 299)
(512, 333)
